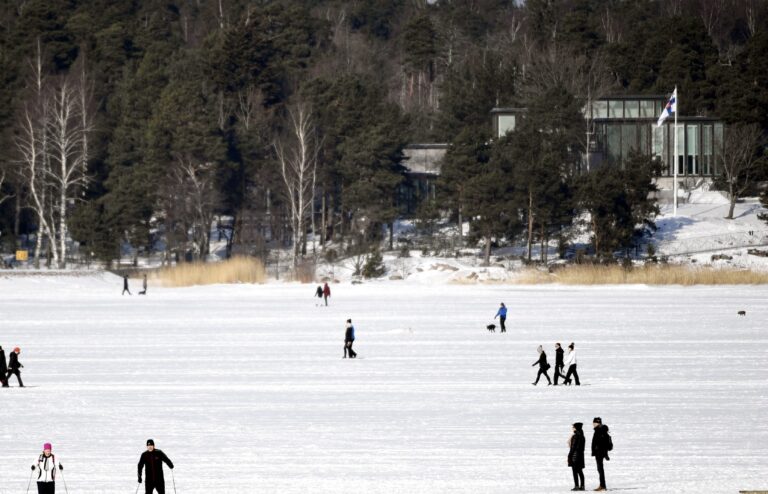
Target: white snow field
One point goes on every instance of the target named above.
(245, 389)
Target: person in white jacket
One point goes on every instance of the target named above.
(46, 471)
(570, 364)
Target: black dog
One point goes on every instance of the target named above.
(742, 313)
(491, 328)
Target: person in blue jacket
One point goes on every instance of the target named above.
(349, 339)
(502, 315)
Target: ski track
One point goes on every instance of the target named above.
(245, 389)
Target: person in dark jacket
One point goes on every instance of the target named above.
(326, 292)
(319, 292)
(558, 362)
(3, 368)
(125, 285)
(13, 367)
(349, 339)
(143, 286)
(576, 443)
(152, 462)
(543, 366)
(502, 315)
(600, 449)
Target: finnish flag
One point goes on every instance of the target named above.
(669, 109)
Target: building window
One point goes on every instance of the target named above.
(628, 140)
(692, 149)
(706, 150)
(600, 109)
(679, 149)
(631, 109)
(506, 124)
(647, 109)
(615, 109)
(613, 141)
(717, 147)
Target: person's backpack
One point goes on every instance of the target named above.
(609, 442)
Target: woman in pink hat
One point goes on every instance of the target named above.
(46, 471)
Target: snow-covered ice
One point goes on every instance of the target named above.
(245, 389)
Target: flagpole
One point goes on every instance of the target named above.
(675, 164)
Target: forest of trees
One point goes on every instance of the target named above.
(141, 122)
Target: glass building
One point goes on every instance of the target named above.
(619, 125)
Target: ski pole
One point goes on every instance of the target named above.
(61, 471)
(173, 477)
(30, 478)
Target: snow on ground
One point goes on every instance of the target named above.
(245, 389)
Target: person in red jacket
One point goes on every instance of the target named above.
(326, 293)
(152, 462)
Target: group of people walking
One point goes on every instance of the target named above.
(126, 289)
(601, 445)
(44, 471)
(12, 368)
(323, 292)
(569, 363)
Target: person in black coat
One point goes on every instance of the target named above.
(13, 367)
(543, 366)
(576, 443)
(152, 462)
(600, 449)
(349, 339)
(559, 362)
(3, 368)
(125, 285)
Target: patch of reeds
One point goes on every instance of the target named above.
(644, 275)
(235, 270)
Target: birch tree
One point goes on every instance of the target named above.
(297, 156)
(738, 154)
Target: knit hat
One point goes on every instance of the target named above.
(571, 346)
(578, 426)
(150, 442)
(597, 420)
(47, 446)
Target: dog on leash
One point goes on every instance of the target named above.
(742, 313)
(491, 328)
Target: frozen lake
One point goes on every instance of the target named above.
(244, 387)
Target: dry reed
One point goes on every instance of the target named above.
(235, 270)
(645, 275)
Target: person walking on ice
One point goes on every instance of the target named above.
(46, 471)
(319, 294)
(349, 339)
(543, 366)
(326, 293)
(570, 364)
(3, 368)
(502, 315)
(559, 362)
(143, 286)
(152, 462)
(125, 285)
(13, 367)
(576, 445)
(601, 445)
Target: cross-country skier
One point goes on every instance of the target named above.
(570, 364)
(326, 293)
(558, 362)
(576, 456)
(125, 285)
(3, 368)
(502, 315)
(543, 366)
(46, 471)
(349, 339)
(143, 286)
(152, 461)
(601, 444)
(13, 367)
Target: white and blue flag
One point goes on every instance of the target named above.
(669, 109)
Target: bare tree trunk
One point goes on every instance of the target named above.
(530, 224)
(487, 255)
